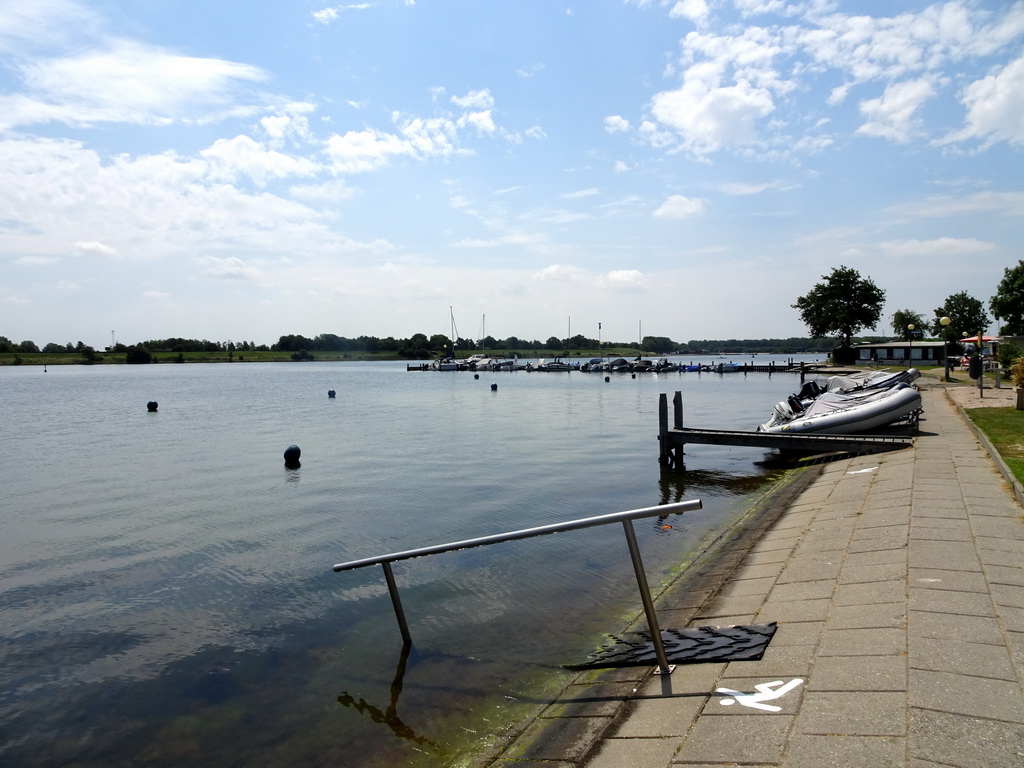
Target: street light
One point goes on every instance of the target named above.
(944, 322)
(910, 335)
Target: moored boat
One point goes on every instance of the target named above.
(845, 413)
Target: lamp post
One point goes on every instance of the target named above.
(910, 335)
(944, 322)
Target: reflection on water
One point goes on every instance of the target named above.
(389, 715)
(166, 593)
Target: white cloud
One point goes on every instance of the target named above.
(893, 115)
(626, 278)
(478, 100)
(242, 156)
(940, 246)
(330, 15)
(36, 261)
(126, 82)
(97, 250)
(231, 268)
(363, 151)
(482, 121)
(560, 273)
(694, 10)
(679, 207)
(708, 118)
(741, 188)
(995, 107)
(616, 124)
(580, 193)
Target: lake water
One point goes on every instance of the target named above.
(166, 591)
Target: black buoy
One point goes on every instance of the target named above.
(331, 393)
(291, 456)
(151, 406)
(476, 375)
(494, 387)
(607, 379)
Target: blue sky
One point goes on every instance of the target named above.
(232, 170)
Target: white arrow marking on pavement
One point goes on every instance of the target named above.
(765, 692)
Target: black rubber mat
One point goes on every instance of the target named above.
(742, 642)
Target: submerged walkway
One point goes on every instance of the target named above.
(897, 581)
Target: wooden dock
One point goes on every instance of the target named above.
(672, 440)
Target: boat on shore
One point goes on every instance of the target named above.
(844, 413)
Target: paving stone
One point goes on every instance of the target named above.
(949, 555)
(757, 738)
(971, 696)
(794, 611)
(636, 752)
(967, 742)
(858, 673)
(999, 574)
(868, 573)
(853, 714)
(949, 601)
(778, 661)
(863, 642)
(937, 578)
(803, 590)
(1007, 594)
(881, 615)
(957, 656)
(846, 751)
(661, 718)
(744, 587)
(973, 629)
(890, 591)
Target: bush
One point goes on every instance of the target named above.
(1008, 353)
(1017, 369)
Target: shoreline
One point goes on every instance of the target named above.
(698, 585)
(694, 586)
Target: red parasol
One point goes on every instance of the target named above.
(974, 339)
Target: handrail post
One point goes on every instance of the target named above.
(396, 601)
(664, 667)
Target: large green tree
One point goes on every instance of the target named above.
(841, 305)
(902, 319)
(1008, 303)
(966, 315)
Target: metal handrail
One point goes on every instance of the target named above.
(626, 518)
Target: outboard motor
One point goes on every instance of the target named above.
(809, 390)
(795, 404)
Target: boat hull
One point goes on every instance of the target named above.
(857, 418)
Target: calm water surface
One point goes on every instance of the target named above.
(166, 592)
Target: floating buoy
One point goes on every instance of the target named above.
(291, 456)
(331, 393)
(151, 406)
(494, 387)
(632, 376)
(607, 379)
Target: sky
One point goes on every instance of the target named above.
(238, 171)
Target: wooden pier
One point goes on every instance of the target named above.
(673, 440)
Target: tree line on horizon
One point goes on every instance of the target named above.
(420, 346)
(835, 309)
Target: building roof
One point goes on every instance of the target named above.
(898, 343)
